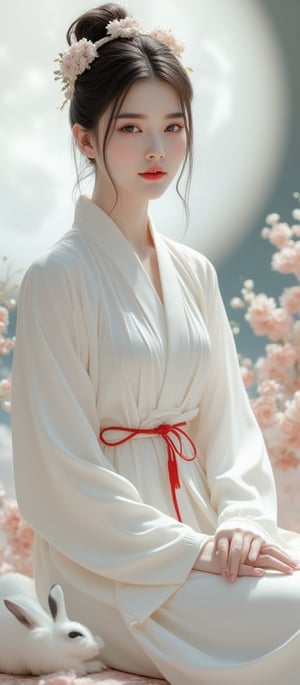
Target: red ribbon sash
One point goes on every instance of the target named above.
(172, 435)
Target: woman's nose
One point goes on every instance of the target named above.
(155, 150)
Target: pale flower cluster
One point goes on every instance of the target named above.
(17, 538)
(81, 54)
(167, 37)
(74, 62)
(7, 303)
(275, 376)
(124, 28)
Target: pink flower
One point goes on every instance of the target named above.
(295, 338)
(5, 394)
(6, 345)
(279, 324)
(167, 38)
(124, 28)
(290, 433)
(5, 389)
(290, 299)
(248, 377)
(11, 518)
(264, 408)
(296, 214)
(287, 261)
(279, 360)
(249, 284)
(293, 409)
(4, 320)
(289, 423)
(77, 59)
(265, 232)
(279, 235)
(285, 459)
(23, 542)
(296, 230)
(292, 384)
(267, 319)
(259, 313)
(16, 554)
(237, 303)
(272, 218)
(268, 388)
(296, 331)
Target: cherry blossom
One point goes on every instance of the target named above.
(124, 28)
(274, 378)
(7, 303)
(82, 53)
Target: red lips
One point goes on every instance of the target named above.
(153, 173)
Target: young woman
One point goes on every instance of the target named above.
(138, 461)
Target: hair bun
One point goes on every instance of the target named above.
(92, 24)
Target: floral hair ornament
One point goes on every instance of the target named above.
(81, 54)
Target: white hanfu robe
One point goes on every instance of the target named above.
(96, 347)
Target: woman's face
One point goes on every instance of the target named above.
(147, 144)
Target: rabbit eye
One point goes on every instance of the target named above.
(75, 633)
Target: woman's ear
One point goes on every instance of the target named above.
(85, 141)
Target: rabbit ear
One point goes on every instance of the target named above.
(21, 614)
(56, 603)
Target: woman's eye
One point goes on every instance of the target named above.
(130, 128)
(174, 128)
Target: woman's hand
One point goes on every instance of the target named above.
(235, 553)
(238, 550)
(209, 561)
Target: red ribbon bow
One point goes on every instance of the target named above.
(172, 435)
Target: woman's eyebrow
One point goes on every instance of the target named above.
(135, 115)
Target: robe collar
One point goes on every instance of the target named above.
(98, 226)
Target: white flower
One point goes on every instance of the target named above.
(237, 303)
(74, 62)
(272, 218)
(166, 37)
(77, 59)
(296, 214)
(124, 28)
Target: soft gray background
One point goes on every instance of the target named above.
(245, 59)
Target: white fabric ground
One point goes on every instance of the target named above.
(96, 347)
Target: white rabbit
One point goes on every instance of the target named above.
(32, 641)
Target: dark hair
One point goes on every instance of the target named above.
(121, 62)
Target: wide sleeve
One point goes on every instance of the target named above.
(66, 489)
(238, 469)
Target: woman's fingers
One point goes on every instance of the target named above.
(254, 549)
(222, 549)
(279, 554)
(254, 571)
(243, 553)
(238, 549)
(269, 558)
(267, 561)
(275, 558)
(233, 550)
